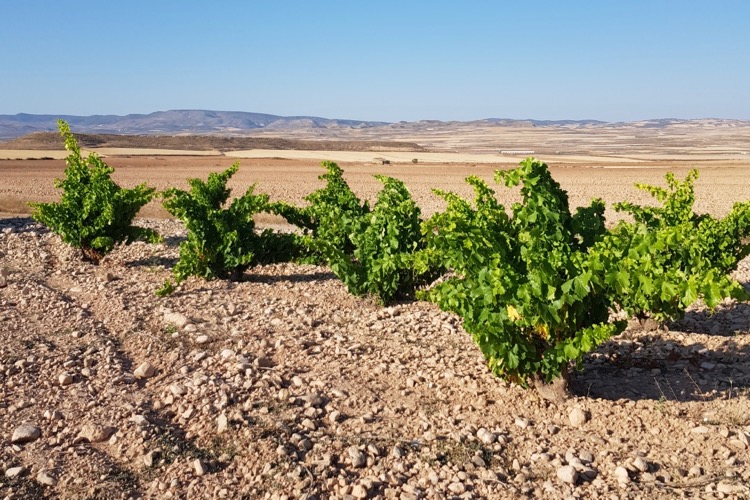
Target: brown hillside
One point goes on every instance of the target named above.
(52, 141)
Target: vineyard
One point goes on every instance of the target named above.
(211, 357)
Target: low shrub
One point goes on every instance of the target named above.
(521, 282)
(94, 212)
(223, 242)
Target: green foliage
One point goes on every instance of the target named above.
(94, 213)
(329, 213)
(536, 288)
(521, 282)
(222, 242)
(371, 251)
(383, 243)
(670, 257)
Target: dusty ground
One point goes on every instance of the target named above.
(720, 183)
(285, 386)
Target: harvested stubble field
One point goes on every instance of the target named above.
(285, 386)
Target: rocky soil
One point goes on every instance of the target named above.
(285, 386)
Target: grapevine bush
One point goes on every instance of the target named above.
(521, 282)
(669, 257)
(94, 213)
(222, 242)
(537, 288)
(383, 245)
(326, 219)
(370, 250)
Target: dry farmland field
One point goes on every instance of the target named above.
(285, 386)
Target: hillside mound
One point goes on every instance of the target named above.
(52, 141)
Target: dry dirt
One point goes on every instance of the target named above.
(720, 183)
(285, 386)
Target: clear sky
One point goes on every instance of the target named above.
(379, 60)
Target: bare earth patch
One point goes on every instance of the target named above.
(284, 384)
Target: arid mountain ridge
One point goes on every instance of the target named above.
(238, 123)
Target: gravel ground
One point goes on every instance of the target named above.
(285, 386)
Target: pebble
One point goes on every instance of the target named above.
(522, 422)
(26, 433)
(567, 474)
(486, 436)
(222, 423)
(94, 433)
(728, 488)
(145, 370)
(457, 488)
(358, 458)
(577, 417)
(641, 464)
(14, 472)
(199, 467)
(360, 491)
(44, 478)
(201, 339)
(177, 390)
(742, 436)
(621, 474)
(177, 319)
(65, 379)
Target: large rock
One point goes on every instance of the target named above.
(145, 370)
(176, 319)
(94, 433)
(26, 433)
(43, 477)
(14, 472)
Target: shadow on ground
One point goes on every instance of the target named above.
(21, 224)
(726, 322)
(651, 367)
(289, 278)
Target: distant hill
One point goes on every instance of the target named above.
(240, 123)
(176, 122)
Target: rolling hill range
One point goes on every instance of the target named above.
(176, 122)
(203, 130)
(240, 123)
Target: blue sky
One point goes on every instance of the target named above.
(384, 60)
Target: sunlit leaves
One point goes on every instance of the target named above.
(94, 213)
(222, 241)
